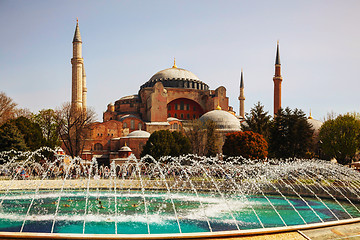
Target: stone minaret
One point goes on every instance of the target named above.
(277, 82)
(242, 97)
(84, 88)
(78, 95)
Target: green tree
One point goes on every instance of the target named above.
(31, 131)
(166, 143)
(46, 119)
(182, 144)
(340, 138)
(258, 121)
(290, 134)
(11, 138)
(247, 144)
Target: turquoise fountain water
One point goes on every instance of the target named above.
(173, 195)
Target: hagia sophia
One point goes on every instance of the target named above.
(169, 98)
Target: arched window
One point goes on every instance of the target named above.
(140, 126)
(132, 124)
(98, 147)
(124, 125)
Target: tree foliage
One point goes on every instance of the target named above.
(31, 132)
(46, 119)
(11, 138)
(290, 134)
(211, 145)
(247, 144)
(194, 130)
(203, 137)
(7, 108)
(74, 128)
(258, 121)
(9, 111)
(340, 138)
(182, 144)
(166, 143)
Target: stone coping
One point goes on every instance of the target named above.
(203, 235)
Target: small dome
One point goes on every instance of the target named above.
(125, 149)
(138, 134)
(225, 121)
(176, 78)
(315, 124)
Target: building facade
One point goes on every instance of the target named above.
(170, 97)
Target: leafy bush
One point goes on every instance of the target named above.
(246, 144)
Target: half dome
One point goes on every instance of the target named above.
(176, 78)
(138, 134)
(224, 120)
(315, 124)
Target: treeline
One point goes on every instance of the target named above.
(22, 130)
(288, 135)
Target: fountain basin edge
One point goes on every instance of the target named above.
(200, 235)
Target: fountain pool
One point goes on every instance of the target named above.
(130, 219)
(173, 196)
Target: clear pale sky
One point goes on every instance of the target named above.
(126, 42)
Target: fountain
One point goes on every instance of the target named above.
(188, 196)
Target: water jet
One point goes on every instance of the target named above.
(189, 196)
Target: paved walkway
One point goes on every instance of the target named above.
(348, 231)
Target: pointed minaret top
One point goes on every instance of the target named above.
(77, 37)
(277, 61)
(241, 80)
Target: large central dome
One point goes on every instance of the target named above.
(176, 78)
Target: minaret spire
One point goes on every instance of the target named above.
(78, 94)
(242, 97)
(277, 61)
(77, 37)
(277, 81)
